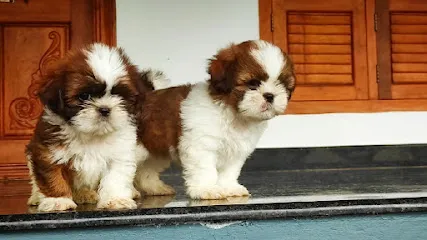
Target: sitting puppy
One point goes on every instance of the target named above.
(212, 127)
(83, 147)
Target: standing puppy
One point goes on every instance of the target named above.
(83, 147)
(212, 127)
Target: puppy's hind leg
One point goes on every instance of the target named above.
(148, 180)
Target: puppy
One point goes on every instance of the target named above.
(212, 127)
(83, 147)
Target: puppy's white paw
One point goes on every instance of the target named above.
(236, 190)
(136, 194)
(158, 188)
(56, 204)
(117, 203)
(206, 192)
(34, 200)
(85, 195)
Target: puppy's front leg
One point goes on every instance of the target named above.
(200, 174)
(228, 178)
(51, 182)
(115, 188)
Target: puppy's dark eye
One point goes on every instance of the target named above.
(84, 97)
(253, 84)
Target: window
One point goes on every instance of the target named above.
(353, 55)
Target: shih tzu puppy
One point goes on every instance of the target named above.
(83, 147)
(212, 127)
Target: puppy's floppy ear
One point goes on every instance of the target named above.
(221, 69)
(289, 72)
(51, 93)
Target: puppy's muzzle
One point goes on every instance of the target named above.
(105, 112)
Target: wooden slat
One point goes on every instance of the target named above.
(411, 18)
(324, 93)
(407, 58)
(319, 29)
(409, 48)
(335, 79)
(321, 68)
(409, 38)
(417, 29)
(409, 67)
(316, 19)
(14, 171)
(410, 77)
(409, 91)
(322, 59)
(15, 188)
(319, 48)
(320, 39)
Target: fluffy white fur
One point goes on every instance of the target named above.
(158, 79)
(214, 145)
(102, 150)
(106, 64)
(253, 104)
(216, 141)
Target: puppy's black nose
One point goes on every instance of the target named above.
(269, 97)
(104, 111)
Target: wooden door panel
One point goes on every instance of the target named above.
(328, 45)
(34, 34)
(28, 52)
(408, 47)
(409, 37)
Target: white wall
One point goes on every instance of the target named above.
(178, 36)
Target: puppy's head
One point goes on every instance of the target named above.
(254, 77)
(92, 89)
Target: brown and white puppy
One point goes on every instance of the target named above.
(212, 127)
(83, 147)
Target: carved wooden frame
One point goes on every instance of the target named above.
(105, 21)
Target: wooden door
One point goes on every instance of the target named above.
(327, 42)
(33, 35)
(402, 42)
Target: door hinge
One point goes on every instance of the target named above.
(376, 22)
(271, 22)
(377, 73)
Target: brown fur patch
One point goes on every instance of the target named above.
(159, 121)
(53, 180)
(287, 77)
(230, 69)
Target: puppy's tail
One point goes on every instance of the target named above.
(155, 78)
